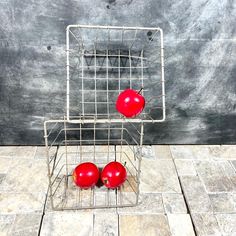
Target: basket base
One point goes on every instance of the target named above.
(70, 197)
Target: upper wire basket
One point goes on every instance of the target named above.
(103, 61)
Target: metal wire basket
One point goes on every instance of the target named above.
(69, 144)
(102, 61)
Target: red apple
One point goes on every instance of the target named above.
(130, 103)
(113, 175)
(86, 175)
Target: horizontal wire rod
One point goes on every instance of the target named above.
(100, 78)
(112, 67)
(114, 27)
(114, 55)
(104, 90)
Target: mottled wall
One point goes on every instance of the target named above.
(200, 52)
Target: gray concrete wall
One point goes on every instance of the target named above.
(200, 49)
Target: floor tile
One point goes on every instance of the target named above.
(139, 225)
(162, 151)
(149, 203)
(2, 177)
(72, 155)
(180, 225)
(229, 171)
(227, 168)
(148, 152)
(27, 152)
(6, 223)
(174, 203)
(75, 198)
(26, 224)
(8, 151)
(125, 150)
(5, 164)
(26, 176)
(214, 179)
(67, 223)
(69, 149)
(185, 167)
(204, 151)
(224, 151)
(41, 152)
(227, 223)
(16, 203)
(223, 202)
(126, 198)
(234, 164)
(105, 224)
(206, 224)
(195, 194)
(106, 197)
(182, 152)
(102, 153)
(131, 150)
(192, 152)
(159, 176)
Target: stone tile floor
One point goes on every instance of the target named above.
(185, 190)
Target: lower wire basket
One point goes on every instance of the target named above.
(69, 145)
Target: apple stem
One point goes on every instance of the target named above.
(140, 90)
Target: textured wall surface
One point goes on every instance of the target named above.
(200, 50)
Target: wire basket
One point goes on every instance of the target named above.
(103, 61)
(69, 144)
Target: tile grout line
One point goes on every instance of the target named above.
(187, 207)
(93, 223)
(43, 214)
(118, 224)
(182, 191)
(36, 148)
(232, 165)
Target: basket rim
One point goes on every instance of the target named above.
(113, 27)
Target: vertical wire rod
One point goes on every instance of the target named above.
(130, 70)
(142, 70)
(95, 81)
(81, 148)
(67, 74)
(107, 65)
(94, 142)
(65, 134)
(48, 165)
(119, 70)
(108, 140)
(82, 80)
(162, 76)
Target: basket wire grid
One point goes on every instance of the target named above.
(102, 61)
(69, 144)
